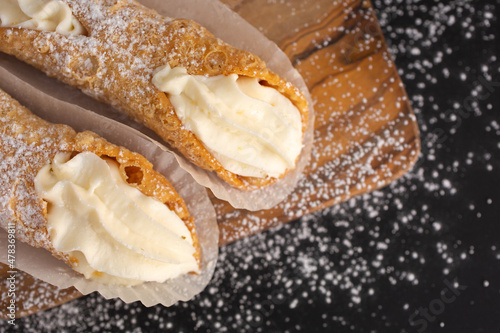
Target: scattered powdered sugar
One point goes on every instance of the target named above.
(368, 264)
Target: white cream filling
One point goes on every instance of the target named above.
(109, 225)
(46, 15)
(251, 129)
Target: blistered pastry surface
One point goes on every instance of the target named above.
(27, 143)
(114, 62)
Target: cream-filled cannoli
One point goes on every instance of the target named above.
(99, 207)
(219, 106)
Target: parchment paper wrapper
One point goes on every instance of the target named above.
(42, 265)
(233, 29)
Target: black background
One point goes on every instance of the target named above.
(421, 255)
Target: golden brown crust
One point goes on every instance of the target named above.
(28, 143)
(114, 62)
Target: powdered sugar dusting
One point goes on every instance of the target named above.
(26, 147)
(371, 263)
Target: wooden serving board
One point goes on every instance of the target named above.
(366, 134)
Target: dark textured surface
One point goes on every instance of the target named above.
(421, 255)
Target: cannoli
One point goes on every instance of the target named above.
(99, 207)
(219, 106)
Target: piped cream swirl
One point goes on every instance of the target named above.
(46, 15)
(116, 233)
(251, 129)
